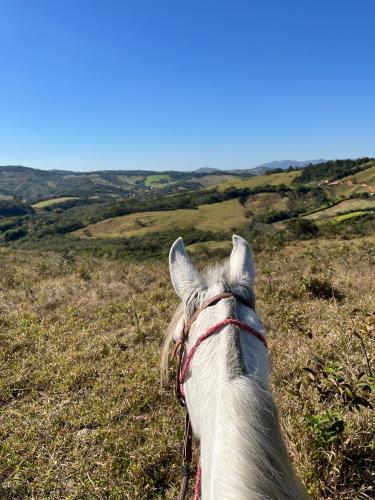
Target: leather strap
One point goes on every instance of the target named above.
(186, 457)
(210, 302)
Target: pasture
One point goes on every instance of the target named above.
(84, 416)
(364, 176)
(53, 201)
(212, 217)
(350, 205)
(261, 180)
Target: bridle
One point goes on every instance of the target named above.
(183, 365)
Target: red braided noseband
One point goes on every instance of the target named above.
(208, 333)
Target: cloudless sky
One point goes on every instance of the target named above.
(172, 84)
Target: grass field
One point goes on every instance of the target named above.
(260, 180)
(53, 201)
(354, 205)
(82, 412)
(211, 180)
(367, 175)
(214, 217)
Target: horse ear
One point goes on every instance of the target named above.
(241, 264)
(185, 278)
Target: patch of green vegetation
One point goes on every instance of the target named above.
(340, 218)
(156, 179)
(348, 227)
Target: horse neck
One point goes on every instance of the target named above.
(243, 455)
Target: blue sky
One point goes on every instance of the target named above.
(157, 84)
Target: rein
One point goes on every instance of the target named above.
(183, 365)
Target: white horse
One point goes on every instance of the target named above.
(233, 415)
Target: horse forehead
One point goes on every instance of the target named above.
(216, 289)
(223, 306)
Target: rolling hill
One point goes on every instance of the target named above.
(33, 185)
(223, 216)
(128, 211)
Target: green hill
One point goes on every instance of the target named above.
(139, 212)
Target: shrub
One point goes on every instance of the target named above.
(302, 229)
(14, 234)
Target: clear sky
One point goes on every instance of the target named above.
(182, 84)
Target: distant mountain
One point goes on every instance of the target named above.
(207, 170)
(260, 169)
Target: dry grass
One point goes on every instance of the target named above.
(212, 180)
(82, 415)
(212, 217)
(261, 180)
(53, 201)
(210, 247)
